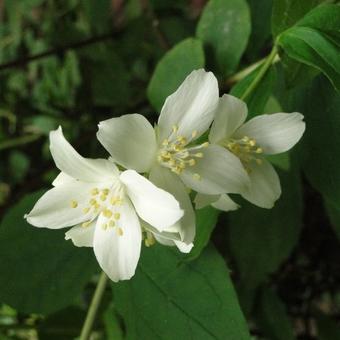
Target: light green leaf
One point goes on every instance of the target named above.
(171, 299)
(172, 69)
(224, 27)
(40, 272)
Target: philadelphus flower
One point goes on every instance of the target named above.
(267, 134)
(170, 152)
(103, 205)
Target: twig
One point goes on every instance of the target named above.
(57, 50)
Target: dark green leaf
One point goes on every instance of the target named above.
(287, 12)
(171, 299)
(172, 69)
(313, 48)
(206, 219)
(257, 100)
(224, 27)
(322, 158)
(260, 27)
(261, 239)
(40, 272)
(328, 328)
(272, 318)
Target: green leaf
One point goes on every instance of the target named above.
(206, 219)
(313, 48)
(328, 328)
(260, 27)
(315, 41)
(171, 299)
(322, 138)
(112, 326)
(65, 324)
(333, 211)
(261, 239)
(224, 27)
(287, 12)
(172, 69)
(257, 100)
(324, 18)
(40, 272)
(272, 317)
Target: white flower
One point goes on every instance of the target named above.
(103, 205)
(266, 134)
(171, 154)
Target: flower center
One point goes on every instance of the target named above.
(176, 155)
(105, 201)
(246, 149)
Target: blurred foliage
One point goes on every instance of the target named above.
(76, 62)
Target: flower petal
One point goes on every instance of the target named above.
(81, 236)
(225, 203)
(118, 250)
(218, 172)
(221, 202)
(131, 141)
(155, 206)
(191, 107)
(203, 200)
(274, 133)
(62, 179)
(230, 115)
(182, 246)
(170, 182)
(53, 210)
(68, 160)
(264, 187)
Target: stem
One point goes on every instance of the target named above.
(92, 312)
(264, 68)
(18, 141)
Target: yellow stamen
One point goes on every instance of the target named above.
(94, 191)
(120, 231)
(116, 216)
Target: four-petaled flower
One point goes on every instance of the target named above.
(172, 154)
(266, 134)
(103, 205)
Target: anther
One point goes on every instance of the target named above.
(205, 145)
(86, 210)
(107, 213)
(116, 216)
(197, 176)
(120, 231)
(86, 224)
(111, 223)
(93, 201)
(74, 204)
(199, 154)
(105, 191)
(104, 226)
(94, 191)
(174, 128)
(192, 162)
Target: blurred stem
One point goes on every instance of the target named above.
(92, 312)
(10, 143)
(264, 68)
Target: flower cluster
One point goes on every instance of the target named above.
(113, 210)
